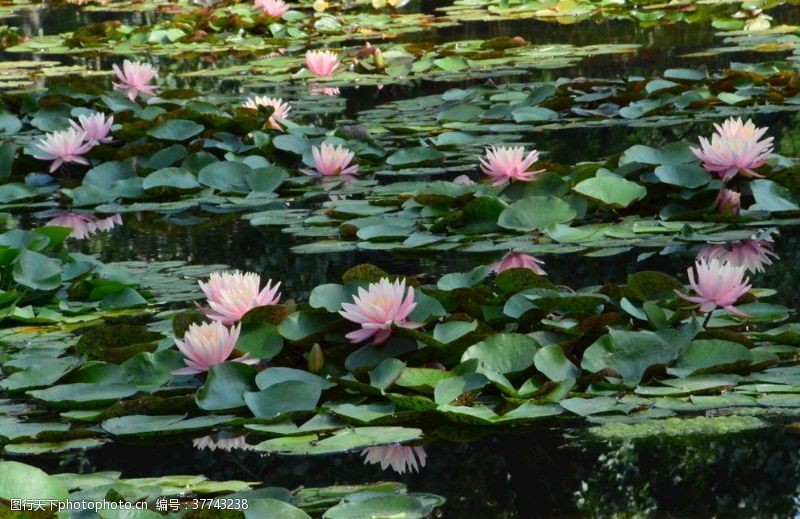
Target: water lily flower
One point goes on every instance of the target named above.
(402, 459)
(232, 294)
(207, 344)
(463, 180)
(320, 6)
(734, 148)
(718, 285)
(519, 260)
(729, 203)
(377, 308)
(753, 255)
(321, 63)
(503, 165)
(63, 147)
(224, 444)
(280, 108)
(134, 78)
(95, 127)
(274, 8)
(332, 161)
(761, 22)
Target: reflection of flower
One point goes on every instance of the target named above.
(275, 8)
(281, 108)
(332, 161)
(321, 63)
(505, 164)
(224, 444)
(747, 13)
(134, 78)
(718, 285)
(207, 344)
(377, 308)
(315, 89)
(519, 260)
(729, 203)
(402, 459)
(734, 148)
(753, 255)
(463, 180)
(232, 294)
(106, 224)
(95, 127)
(84, 225)
(63, 147)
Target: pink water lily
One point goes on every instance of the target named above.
(232, 294)
(519, 260)
(63, 147)
(400, 458)
(134, 78)
(274, 8)
(729, 203)
(463, 180)
(503, 165)
(95, 127)
(332, 161)
(734, 148)
(753, 255)
(717, 285)
(280, 108)
(322, 63)
(207, 344)
(377, 308)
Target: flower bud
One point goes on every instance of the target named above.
(729, 202)
(316, 359)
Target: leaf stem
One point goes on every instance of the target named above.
(708, 318)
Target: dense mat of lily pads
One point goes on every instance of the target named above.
(180, 153)
(372, 362)
(112, 121)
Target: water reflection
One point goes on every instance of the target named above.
(267, 251)
(542, 473)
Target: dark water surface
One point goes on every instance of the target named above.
(549, 472)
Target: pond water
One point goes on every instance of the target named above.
(558, 468)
